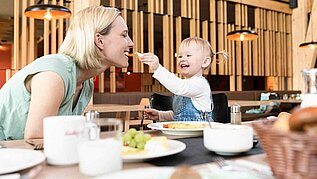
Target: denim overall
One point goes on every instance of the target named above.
(184, 110)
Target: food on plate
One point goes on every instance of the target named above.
(185, 125)
(154, 145)
(304, 119)
(135, 139)
(282, 122)
(184, 172)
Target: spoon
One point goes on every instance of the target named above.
(203, 116)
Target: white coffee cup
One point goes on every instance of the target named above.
(62, 134)
(102, 156)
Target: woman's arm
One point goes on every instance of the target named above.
(47, 94)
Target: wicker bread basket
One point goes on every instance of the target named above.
(290, 154)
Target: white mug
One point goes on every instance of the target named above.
(97, 157)
(62, 134)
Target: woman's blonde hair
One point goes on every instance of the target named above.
(206, 47)
(79, 40)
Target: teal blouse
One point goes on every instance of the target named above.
(15, 99)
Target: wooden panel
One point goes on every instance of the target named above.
(53, 34)
(178, 35)
(112, 79)
(166, 47)
(101, 83)
(212, 27)
(141, 38)
(272, 5)
(24, 34)
(205, 36)
(16, 42)
(220, 31)
(171, 44)
(32, 46)
(135, 29)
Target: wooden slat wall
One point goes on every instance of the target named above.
(269, 55)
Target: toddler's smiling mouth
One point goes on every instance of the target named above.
(184, 66)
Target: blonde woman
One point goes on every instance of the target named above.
(60, 84)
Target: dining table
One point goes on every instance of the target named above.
(196, 156)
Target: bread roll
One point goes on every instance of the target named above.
(303, 118)
(282, 122)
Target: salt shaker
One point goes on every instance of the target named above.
(92, 125)
(92, 115)
(235, 114)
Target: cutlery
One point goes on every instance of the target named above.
(142, 120)
(36, 146)
(222, 163)
(247, 166)
(203, 116)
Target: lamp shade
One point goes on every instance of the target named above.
(312, 45)
(47, 11)
(242, 35)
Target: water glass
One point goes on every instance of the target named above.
(101, 156)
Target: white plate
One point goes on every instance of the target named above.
(166, 172)
(12, 160)
(174, 147)
(188, 132)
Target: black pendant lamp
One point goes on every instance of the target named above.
(47, 11)
(312, 44)
(242, 35)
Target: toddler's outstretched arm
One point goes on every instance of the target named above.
(149, 59)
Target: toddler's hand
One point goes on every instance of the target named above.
(149, 59)
(151, 114)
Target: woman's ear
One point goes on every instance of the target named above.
(206, 62)
(99, 40)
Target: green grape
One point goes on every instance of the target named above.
(132, 144)
(138, 138)
(126, 138)
(132, 132)
(146, 137)
(135, 139)
(141, 145)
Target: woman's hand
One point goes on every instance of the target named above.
(149, 59)
(151, 114)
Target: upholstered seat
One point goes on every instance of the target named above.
(220, 110)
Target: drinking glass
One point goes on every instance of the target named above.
(101, 156)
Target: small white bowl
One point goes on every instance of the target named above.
(228, 139)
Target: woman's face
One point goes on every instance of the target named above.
(117, 44)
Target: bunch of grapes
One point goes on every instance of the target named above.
(135, 139)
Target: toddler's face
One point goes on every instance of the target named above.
(190, 60)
